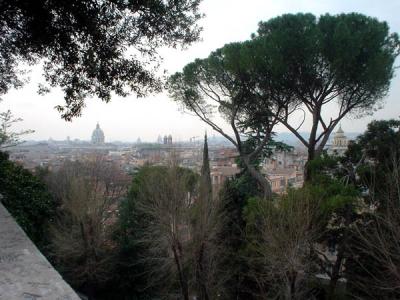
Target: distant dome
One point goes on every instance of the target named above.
(340, 140)
(98, 135)
(339, 133)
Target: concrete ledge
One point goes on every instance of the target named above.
(24, 272)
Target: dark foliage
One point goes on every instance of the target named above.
(27, 199)
(92, 47)
(371, 157)
(131, 269)
(231, 238)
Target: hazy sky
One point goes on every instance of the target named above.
(226, 21)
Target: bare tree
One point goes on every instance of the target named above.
(203, 248)
(163, 199)
(374, 270)
(281, 236)
(80, 236)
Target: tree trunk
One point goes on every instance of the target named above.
(310, 157)
(202, 289)
(312, 143)
(292, 276)
(341, 254)
(265, 185)
(182, 280)
(335, 276)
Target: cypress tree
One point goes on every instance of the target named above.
(205, 194)
(202, 227)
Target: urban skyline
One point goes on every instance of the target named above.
(126, 119)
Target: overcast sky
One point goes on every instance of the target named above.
(126, 119)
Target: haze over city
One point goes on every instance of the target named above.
(126, 119)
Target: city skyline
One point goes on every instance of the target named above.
(126, 119)
(286, 137)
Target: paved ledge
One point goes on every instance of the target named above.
(24, 272)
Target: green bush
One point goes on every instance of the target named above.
(26, 198)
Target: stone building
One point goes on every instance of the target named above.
(282, 179)
(219, 174)
(339, 143)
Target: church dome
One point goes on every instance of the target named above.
(98, 135)
(339, 133)
(340, 140)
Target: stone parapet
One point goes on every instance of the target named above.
(24, 272)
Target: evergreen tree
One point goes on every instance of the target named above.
(232, 267)
(205, 179)
(202, 229)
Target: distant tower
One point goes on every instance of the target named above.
(138, 141)
(98, 136)
(159, 139)
(169, 140)
(165, 140)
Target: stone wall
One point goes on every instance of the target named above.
(24, 272)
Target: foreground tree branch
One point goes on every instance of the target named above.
(92, 48)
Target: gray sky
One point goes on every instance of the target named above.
(226, 21)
